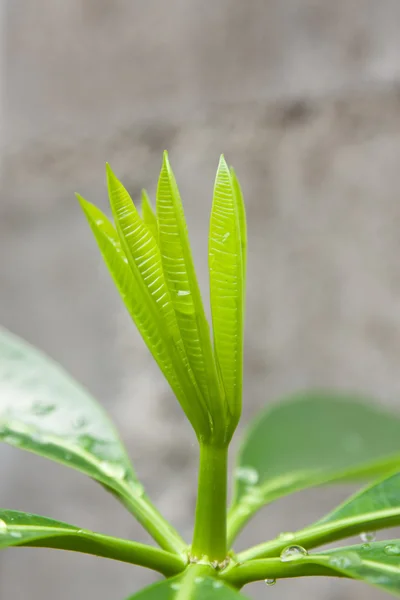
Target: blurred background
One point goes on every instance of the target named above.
(303, 97)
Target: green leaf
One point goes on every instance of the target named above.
(24, 529)
(201, 588)
(148, 215)
(377, 564)
(242, 222)
(226, 287)
(375, 507)
(144, 259)
(44, 411)
(185, 293)
(309, 440)
(132, 293)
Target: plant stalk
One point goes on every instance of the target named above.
(209, 538)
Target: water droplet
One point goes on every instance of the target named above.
(15, 534)
(366, 547)
(270, 582)
(199, 579)
(293, 553)
(217, 584)
(42, 408)
(286, 536)
(183, 293)
(368, 536)
(175, 586)
(12, 439)
(114, 470)
(225, 236)
(137, 488)
(392, 550)
(3, 527)
(247, 475)
(345, 560)
(80, 422)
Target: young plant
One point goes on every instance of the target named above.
(304, 441)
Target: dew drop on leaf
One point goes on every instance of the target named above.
(368, 536)
(175, 586)
(217, 584)
(114, 470)
(286, 536)
(42, 408)
(270, 582)
(199, 579)
(247, 474)
(3, 527)
(392, 550)
(16, 534)
(293, 553)
(345, 560)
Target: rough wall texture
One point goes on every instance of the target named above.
(303, 97)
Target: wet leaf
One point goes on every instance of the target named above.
(309, 440)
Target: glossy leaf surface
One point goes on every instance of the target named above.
(184, 290)
(201, 588)
(24, 529)
(309, 440)
(226, 287)
(148, 215)
(132, 293)
(377, 564)
(44, 411)
(144, 259)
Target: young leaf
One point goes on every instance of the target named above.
(226, 287)
(310, 440)
(242, 222)
(46, 412)
(185, 294)
(148, 215)
(23, 529)
(144, 259)
(131, 292)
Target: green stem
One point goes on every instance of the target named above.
(209, 538)
(324, 533)
(106, 546)
(273, 568)
(152, 520)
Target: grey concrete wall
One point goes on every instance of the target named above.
(303, 98)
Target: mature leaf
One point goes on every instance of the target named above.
(184, 290)
(377, 564)
(44, 411)
(144, 259)
(310, 440)
(375, 507)
(24, 529)
(201, 588)
(148, 215)
(226, 287)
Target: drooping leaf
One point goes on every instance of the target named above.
(201, 588)
(184, 290)
(24, 529)
(226, 287)
(44, 411)
(309, 440)
(144, 259)
(148, 215)
(377, 564)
